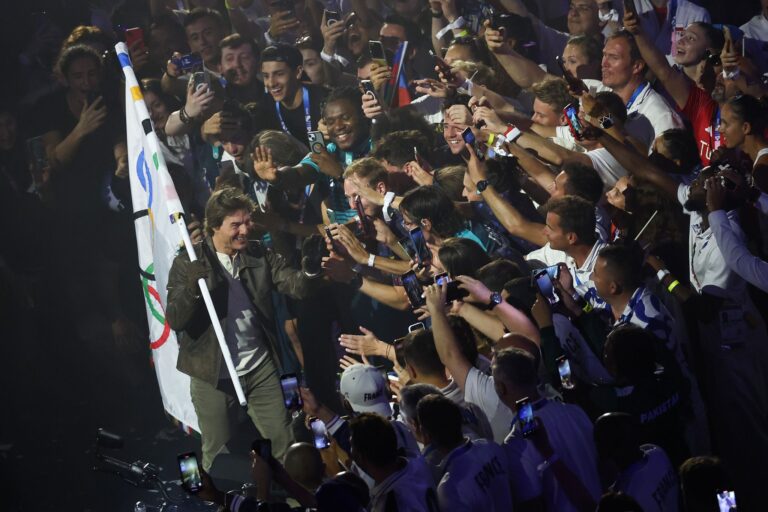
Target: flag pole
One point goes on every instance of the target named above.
(142, 113)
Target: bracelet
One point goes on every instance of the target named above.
(463, 33)
(183, 116)
(673, 285)
(371, 259)
(513, 133)
(661, 274)
(436, 14)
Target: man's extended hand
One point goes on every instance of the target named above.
(327, 163)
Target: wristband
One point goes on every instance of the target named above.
(661, 274)
(388, 198)
(436, 14)
(674, 284)
(513, 133)
(463, 33)
(587, 307)
(183, 117)
(457, 23)
(371, 259)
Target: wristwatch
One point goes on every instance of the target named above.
(481, 186)
(606, 121)
(495, 300)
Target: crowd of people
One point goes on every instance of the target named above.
(512, 255)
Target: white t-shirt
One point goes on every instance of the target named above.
(582, 281)
(479, 390)
(570, 434)
(412, 489)
(475, 479)
(652, 481)
(648, 116)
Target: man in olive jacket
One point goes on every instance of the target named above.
(241, 277)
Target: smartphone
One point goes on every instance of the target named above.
(263, 448)
(422, 163)
(564, 369)
(423, 255)
(525, 421)
(190, 472)
(368, 87)
(499, 21)
(316, 142)
(444, 68)
(442, 278)
(364, 224)
(573, 82)
(320, 433)
(226, 169)
(572, 116)
(406, 244)
(629, 6)
(132, 35)
(36, 153)
(454, 292)
(553, 272)
(189, 62)
(337, 247)
(547, 289)
(399, 355)
(413, 289)
(200, 80)
(289, 384)
(416, 327)
(331, 17)
(726, 500)
(376, 49)
(468, 136)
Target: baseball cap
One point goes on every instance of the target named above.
(365, 389)
(282, 53)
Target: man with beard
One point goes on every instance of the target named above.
(699, 106)
(239, 60)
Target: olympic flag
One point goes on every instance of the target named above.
(156, 207)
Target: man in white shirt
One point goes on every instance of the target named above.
(400, 484)
(569, 431)
(474, 473)
(641, 471)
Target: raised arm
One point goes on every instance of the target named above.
(447, 345)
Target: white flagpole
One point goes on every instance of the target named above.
(142, 114)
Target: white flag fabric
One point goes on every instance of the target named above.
(155, 202)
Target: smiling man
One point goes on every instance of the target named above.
(239, 65)
(205, 28)
(239, 276)
(297, 104)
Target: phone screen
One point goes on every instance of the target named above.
(572, 116)
(413, 289)
(468, 136)
(407, 245)
(36, 153)
(189, 62)
(553, 272)
(422, 251)
(525, 417)
(442, 278)
(726, 500)
(134, 34)
(190, 472)
(368, 87)
(289, 383)
(564, 369)
(320, 434)
(547, 289)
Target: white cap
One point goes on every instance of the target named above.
(365, 389)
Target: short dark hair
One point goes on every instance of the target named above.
(591, 47)
(680, 144)
(236, 41)
(456, 99)
(462, 256)
(497, 273)
(199, 13)
(154, 86)
(583, 181)
(577, 215)
(349, 94)
(373, 437)
(79, 51)
(412, 32)
(613, 103)
(633, 351)
(624, 262)
(419, 351)
(517, 366)
(554, 92)
(222, 203)
(281, 52)
(751, 110)
(441, 419)
(451, 180)
(430, 202)
(397, 147)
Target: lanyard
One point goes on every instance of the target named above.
(638, 91)
(716, 130)
(307, 115)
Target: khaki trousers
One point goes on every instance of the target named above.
(216, 408)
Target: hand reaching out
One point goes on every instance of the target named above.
(362, 345)
(478, 292)
(263, 164)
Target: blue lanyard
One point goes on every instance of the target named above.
(307, 115)
(640, 89)
(716, 130)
